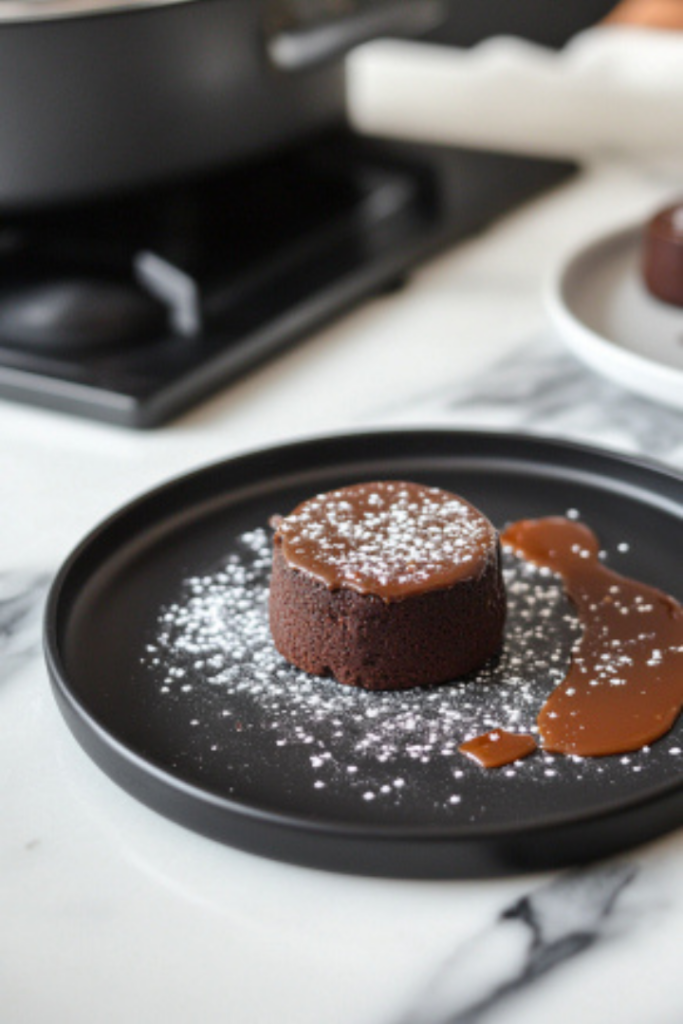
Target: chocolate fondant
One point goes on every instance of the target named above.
(663, 255)
(387, 585)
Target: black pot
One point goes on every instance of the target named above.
(105, 95)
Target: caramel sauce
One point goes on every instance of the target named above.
(624, 687)
(498, 747)
(388, 538)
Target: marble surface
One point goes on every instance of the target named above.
(110, 913)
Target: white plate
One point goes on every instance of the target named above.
(598, 303)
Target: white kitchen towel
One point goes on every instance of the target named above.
(610, 91)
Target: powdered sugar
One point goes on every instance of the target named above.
(386, 533)
(381, 751)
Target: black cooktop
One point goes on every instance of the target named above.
(130, 310)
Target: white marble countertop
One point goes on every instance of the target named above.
(110, 913)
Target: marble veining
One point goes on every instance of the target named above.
(539, 933)
(22, 600)
(540, 387)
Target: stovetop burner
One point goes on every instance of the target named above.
(130, 310)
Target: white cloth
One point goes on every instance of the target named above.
(610, 91)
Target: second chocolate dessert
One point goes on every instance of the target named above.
(387, 585)
(663, 255)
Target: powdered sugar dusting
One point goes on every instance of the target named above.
(381, 753)
(386, 534)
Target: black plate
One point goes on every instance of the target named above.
(143, 634)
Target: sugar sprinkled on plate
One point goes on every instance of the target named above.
(215, 639)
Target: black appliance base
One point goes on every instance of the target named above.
(242, 265)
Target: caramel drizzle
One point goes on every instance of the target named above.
(392, 539)
(498, 747)
(624, 686)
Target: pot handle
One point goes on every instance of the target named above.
(305, 48)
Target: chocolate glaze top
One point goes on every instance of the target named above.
(668, 223)
(389, 538)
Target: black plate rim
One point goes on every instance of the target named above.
(660, 475)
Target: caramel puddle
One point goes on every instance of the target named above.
(498, 747)
(624, 687)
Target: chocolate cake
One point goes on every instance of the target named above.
(387, 585)
(663, 255)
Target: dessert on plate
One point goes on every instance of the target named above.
(663, 255)
(387, 585)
